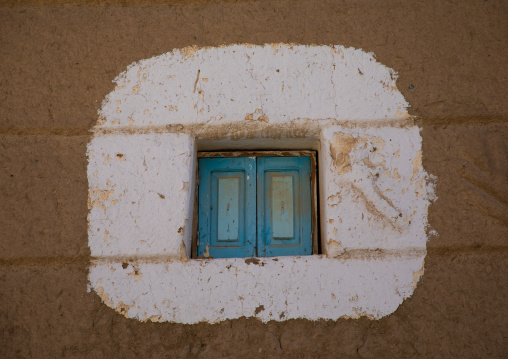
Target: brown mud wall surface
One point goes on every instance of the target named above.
(57, 65)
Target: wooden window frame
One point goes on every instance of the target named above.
(281, 153)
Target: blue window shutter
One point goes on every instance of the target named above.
(227, 207)
(284, 206)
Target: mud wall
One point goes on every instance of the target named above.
(58, 61)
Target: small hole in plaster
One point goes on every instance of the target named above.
(259, 309)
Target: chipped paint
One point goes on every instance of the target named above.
(183, 252)
(98, 197)
(320, 83)
(416, 276)
(374, 190)
(340, 148)
(136, 273)
(206, 252)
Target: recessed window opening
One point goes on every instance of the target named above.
(256, 204)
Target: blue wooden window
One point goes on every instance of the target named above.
(254, 206)
(227, 207)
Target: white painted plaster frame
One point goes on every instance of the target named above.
(374, 190)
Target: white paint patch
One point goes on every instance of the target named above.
(139, 206)
(373, 188)
(218, 289)
(273, 84)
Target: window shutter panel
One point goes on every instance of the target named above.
(227, 207)
(284, 206)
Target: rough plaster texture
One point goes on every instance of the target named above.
(273, 84)
(141, 167)
(139, 206)
(57, 65)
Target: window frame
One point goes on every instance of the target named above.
(312, 154)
